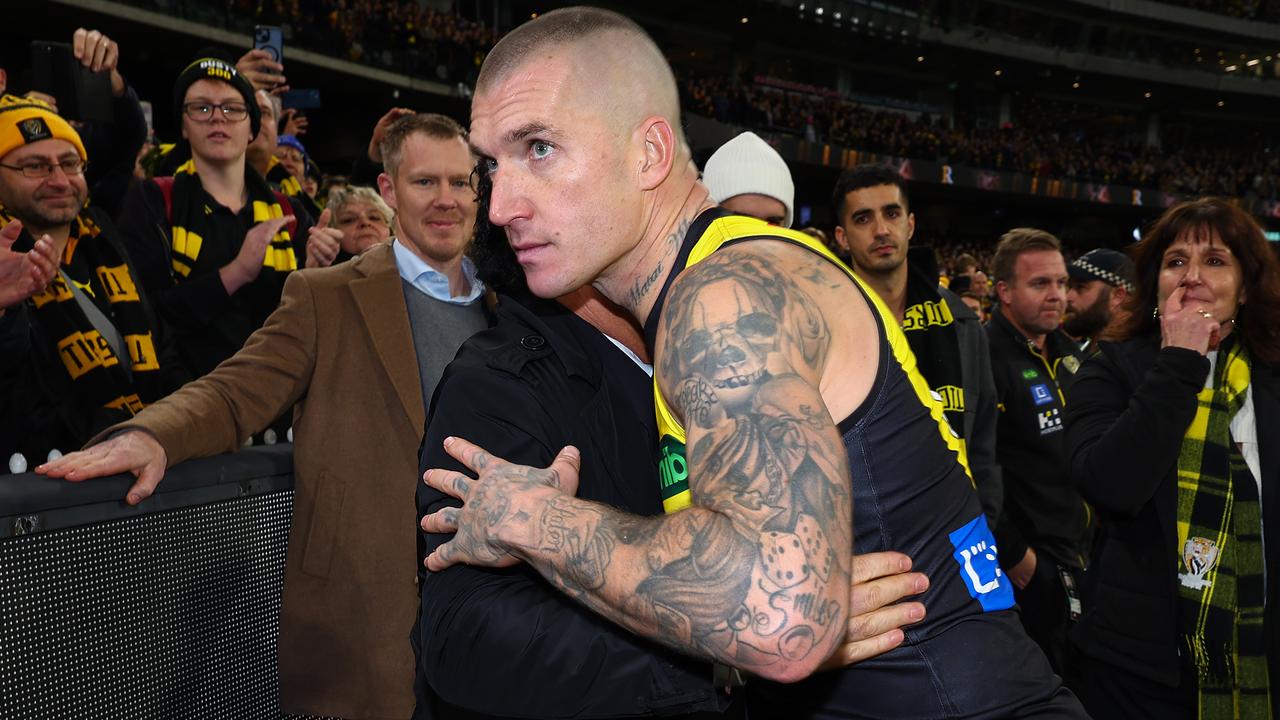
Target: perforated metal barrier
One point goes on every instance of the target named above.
(167, 610)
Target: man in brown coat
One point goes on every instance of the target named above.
(357, 347)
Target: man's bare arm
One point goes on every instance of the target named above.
(757, 573)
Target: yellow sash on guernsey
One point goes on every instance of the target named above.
(673, 465)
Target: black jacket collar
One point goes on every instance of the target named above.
(542, 327)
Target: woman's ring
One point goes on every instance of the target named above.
(1205, 314)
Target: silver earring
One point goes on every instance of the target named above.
(1155, 313)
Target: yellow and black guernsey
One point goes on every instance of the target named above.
(912, 493)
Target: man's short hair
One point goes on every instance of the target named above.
(1014, 243)
(966, 261)
(433, 125)
(865, 176)
(637, 57)
(563, 26)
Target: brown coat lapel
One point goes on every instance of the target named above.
(379, 296)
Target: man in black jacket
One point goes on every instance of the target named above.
(1044, 532)
(875, 226)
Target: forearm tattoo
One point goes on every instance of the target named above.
(757, 572)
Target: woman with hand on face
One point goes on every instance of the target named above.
(361, 218)
(1174, 436)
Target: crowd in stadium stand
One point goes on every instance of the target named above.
(410, 37)
(402, 35)
(1268, 10)
(1038, 143)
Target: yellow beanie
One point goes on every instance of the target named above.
(26, 120)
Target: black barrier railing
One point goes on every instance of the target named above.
(165, 610)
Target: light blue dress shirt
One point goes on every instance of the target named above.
(415, 271)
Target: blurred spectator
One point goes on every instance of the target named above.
(748, 177)
(967, 266)
(974, 302)
(80, 348)
(828, 242)
(293, 157)
(1100, 287)
(261, 153)
(330, 183)
(311, 181)
(213, 243)
(1044, 532)
(362, 216)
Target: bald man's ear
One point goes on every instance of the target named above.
(4, 81)
(660, 150)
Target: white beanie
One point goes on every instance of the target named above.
(748, 164)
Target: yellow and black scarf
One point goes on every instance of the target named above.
(1220, 554)
(280, 178)
(189, 218)
(116, 386)
(931, 332)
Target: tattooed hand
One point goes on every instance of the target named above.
(504, 506)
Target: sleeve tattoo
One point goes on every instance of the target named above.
(756, 573)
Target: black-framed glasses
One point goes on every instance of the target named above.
(203, 112)
(39, 170)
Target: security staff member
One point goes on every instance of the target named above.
(1043, 533)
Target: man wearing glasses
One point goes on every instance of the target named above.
(79, 347)
(214, 243)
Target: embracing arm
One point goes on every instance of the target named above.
(557, 658)
(757, 573)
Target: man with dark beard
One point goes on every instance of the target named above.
(1101, 282)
